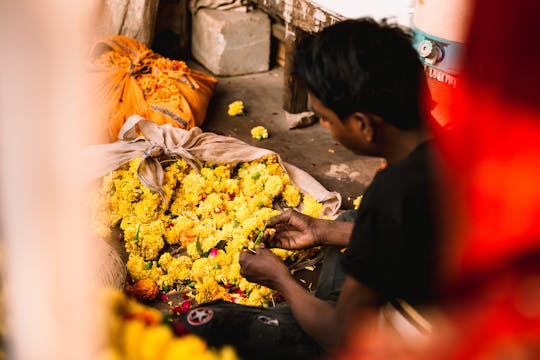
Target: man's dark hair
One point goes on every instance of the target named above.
(364, 66)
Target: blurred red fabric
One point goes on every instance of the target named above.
(490, 162)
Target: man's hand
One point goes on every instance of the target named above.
(263, 268)
(294, 231)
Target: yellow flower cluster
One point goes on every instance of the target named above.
(159, 89)
(259, 133)
(236, 108)
(209, 218)
(159, 82)
(137, 332)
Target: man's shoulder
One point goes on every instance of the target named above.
(404, 179)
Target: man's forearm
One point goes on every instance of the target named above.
(334, 233)
(316, 317)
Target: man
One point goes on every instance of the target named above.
(365, 83)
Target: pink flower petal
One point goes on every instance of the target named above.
(213, 252)
(186, 305)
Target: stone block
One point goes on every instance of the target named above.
(231, 42)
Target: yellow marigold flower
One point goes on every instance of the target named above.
(236, 108)
(291, 195)
(132, 335)
(153, 342)
(273, 186)
(357, 201)
(312, 207)
(259, 133)
(186, 347)
(227, 353)
(177, 269)
(208, 289)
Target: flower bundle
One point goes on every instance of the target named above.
(132, 79)
(135, 331)
(157, 79)
(191, 240)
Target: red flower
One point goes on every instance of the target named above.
(182, 308)
(164, 297)
(232, 196)
(180, 329)
(213, 252)
(186, 305)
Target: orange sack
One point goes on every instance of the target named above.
(128, 78)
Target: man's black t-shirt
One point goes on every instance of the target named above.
(391, 249)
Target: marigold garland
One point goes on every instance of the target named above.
(209, 219)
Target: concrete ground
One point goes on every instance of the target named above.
(311, 149)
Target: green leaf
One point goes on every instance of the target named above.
(137, 234)
(199, 246)
(260, 236)
(256, 175)
(221, 244)
(148, 265)
(166, 289)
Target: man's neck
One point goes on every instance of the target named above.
(403, 143)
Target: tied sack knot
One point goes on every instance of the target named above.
(154, 151)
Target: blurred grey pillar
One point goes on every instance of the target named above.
(133, 18)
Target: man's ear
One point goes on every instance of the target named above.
(364, 125)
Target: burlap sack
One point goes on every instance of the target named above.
(142, 138)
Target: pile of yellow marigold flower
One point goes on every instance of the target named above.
(137, 332)
(192, 241)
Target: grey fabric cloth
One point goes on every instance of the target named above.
(332, 274)
(139, 137)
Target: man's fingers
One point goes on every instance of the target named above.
(281, 218)
(268, 236)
